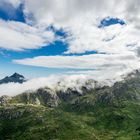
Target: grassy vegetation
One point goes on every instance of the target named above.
(70, 122)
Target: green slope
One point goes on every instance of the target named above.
(68, 123)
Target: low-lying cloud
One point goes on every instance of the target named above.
(72, 80)
(62, 82)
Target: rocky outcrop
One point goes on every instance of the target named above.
(10, 113)
(43, 96)
(4, 100)
(48, 97)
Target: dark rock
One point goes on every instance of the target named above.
(16, 78)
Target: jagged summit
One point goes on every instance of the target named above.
(16, 78)
(16, 75)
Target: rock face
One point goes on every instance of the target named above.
(4, 100)
(128, 89)
(10, 113)
(43, 96)
(16, 78)
(48, 97)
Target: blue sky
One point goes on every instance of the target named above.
(9, 13)
(58, 47)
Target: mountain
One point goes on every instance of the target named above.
(16, 78)
(99, 113)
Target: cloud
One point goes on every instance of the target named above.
(55, 83)
(46, 11)
(19, 36)
(70, 10)
(82, 17)
(14, 3)
(102, 66)
(72, 80)
(133, 12)
(79, 62)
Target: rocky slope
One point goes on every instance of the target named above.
(102, 113)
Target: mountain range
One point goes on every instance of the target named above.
(98, 113)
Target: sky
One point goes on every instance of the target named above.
(97, 38)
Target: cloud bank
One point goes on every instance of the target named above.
(55, 83)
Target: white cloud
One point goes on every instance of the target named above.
(72, 80)
(102, 66)
(90, 38)
(79, 62)
(15, 3)
(46, 11)
(19, 36)
(55, 83)
(81, 18)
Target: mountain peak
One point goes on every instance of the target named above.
(17, 75)
(15, 78)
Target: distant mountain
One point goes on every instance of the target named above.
(16, 78)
